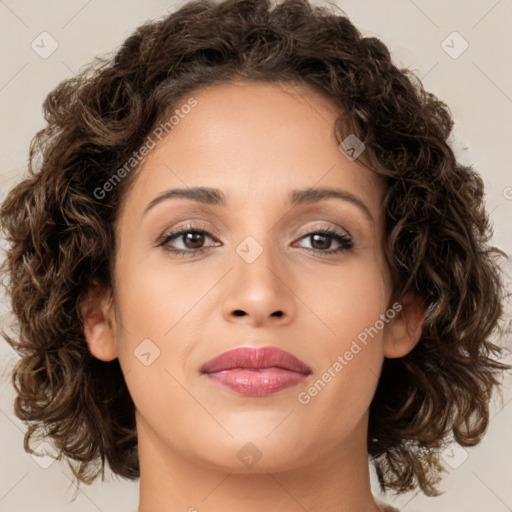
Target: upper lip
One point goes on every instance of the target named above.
(255, 358)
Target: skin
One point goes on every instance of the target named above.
(256, 142)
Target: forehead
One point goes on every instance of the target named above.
(254, 140)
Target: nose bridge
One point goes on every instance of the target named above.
(258, 244)
(259, 284)
(259, 262)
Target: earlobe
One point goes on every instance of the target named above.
(98, 323)
(404, 330)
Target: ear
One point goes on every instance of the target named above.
(98, 323)
(404, 330)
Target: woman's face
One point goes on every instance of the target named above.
(263, 275)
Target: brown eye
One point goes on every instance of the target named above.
(321, 241)
(191, 239)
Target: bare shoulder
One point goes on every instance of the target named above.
(387, 508)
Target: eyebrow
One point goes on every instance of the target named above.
(215, 197)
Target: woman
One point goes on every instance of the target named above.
(248, 261)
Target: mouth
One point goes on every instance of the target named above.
(256, 371)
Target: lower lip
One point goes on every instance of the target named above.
(261, 382)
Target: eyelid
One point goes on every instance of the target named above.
(339, 234)
(198, 225)
(190, 224)
(307, 231)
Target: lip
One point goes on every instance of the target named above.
(256, 371)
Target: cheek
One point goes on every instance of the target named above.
(347, 298)
(341, 395)
(153, 298)
(352, 303)
(351, 358)
(160, 307)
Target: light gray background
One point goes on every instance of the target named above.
(477, 85)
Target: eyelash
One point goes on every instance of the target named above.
(344, 240)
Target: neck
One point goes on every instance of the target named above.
(335, 481)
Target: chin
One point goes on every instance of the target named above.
(256, 454)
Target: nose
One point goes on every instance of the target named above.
(259, 292)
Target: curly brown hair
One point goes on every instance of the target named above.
(437, 233)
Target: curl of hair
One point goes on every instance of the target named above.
(436, 229)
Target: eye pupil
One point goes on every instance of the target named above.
(326, 243)
(197, 239)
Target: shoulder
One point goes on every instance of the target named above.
(387, 508)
